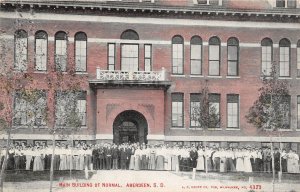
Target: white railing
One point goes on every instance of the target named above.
(106, 75)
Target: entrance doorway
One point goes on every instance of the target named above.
(130, 127)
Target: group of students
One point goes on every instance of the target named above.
(149, 157)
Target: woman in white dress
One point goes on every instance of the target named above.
(239, 155)
(293, 162)
(200, 160)
(37, 164)
(222, 160)
(247, 162)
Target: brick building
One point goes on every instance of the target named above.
(145, 61)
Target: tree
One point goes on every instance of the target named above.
(271, 111)
(205, 112)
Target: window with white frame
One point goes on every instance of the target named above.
(111, 48)
(21, 48)
(266, 56)
(129, 57)
(177, 109)
(298, 58)
(196, 55)
(148, 57)
(284, 58)
(70, 107)
(232, 111)
(130, 52)
(177, 55)
(41, 50)
(286, 3)
(232, 56)
(209, 2)
(195, 110)
(81, 107)
(61, 51)
(80, 51)
(214, 110)
(214, 56)
(29, 111)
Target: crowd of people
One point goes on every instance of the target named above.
(149, 157)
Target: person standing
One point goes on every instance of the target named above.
(115, 156)
(194, 157)
(96, 160)
(230, 160)
(200, 160)
(267, 158)
(293, 162)
(276, 157)
(108, 158)
(284, 161)
(240, 160)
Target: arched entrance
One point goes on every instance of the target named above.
(130, 127)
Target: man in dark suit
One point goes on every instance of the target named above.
(277, 160)
(123, 157)
(115, 156)
(101, 158)
(128, 151)
(96, 160)
(107, 155)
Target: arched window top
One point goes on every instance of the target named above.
(80, 36)
(61, 35)
(298, 43)
(233, 41)
(177, 39)
(21, 34)
(196, 40)
(284, 43)
(214, 41)
(266, 42)
(41, 35)
(130, 34)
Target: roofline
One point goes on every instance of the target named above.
(155, 8)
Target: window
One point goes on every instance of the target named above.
(29, 112)
(177, 55)
(21, 50)
(284, 59)
(214, 56)
(233, 144)
(209, 2)
(266, 56)
(291, 3)
(70, 108)
(232, 111)
(196, 55)
(177, 109)
(148, 57)
(214, 144)
(280, 3)
(285, 108)
(129, 57)
(232, 56)
(298, 59)
(61, 51)
(111, 56)
(195, 109)
(130, 52)
(41, 51)
(81, 107)
(80, 51)
(214, 110)
(298, 112)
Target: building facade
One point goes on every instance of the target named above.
(144, 63)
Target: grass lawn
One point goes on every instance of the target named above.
(26, 176)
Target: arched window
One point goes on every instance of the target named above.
(130, 35)
(41, 50)
(214, 56)
(196, 55)
(61, 51)
(21, 47)
(284, 57)
(177, 55)
(80, 51)
(232, 56)
(266, 56)
(130, 52)
(298, 58)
